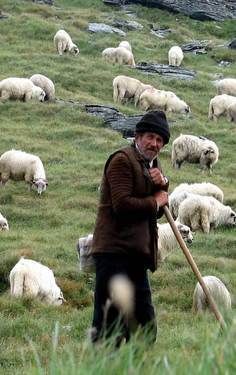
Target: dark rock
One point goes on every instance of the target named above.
(166, 70)
(47, 2)
(197, 46)
(102, 27)
(202, 10)
(127, 25)
(232, 44)
(114, 2)
(115, 119)
(3, 16)
(161, 32)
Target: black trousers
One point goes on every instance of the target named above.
(107, 321)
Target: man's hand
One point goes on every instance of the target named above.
(161, 198)
(157, 177)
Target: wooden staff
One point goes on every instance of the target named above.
(194, 267)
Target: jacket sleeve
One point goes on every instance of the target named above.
(120, 178)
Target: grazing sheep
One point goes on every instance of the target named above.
(218, 106)
(204, 213)
(194, 149)
(119, 55)
(84, 247)
(46, 84)
(183, 191)
(167, 241)
(217, 290)
(226, 86)
(30, 278)
(3, 223)
(21, 89)
(18, 165)
(63, 43)
(231, 112)
(163, 100)
(126, 88)
(175, 56)
(125, 44)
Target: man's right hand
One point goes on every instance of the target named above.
(161, 198)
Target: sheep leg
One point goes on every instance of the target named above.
(5, 96)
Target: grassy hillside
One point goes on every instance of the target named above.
(73, 147)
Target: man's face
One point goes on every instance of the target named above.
(149, 144)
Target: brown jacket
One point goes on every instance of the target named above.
(127, 213)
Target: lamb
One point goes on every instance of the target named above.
(20, 89)
(126, 87)
(84, 247)
(125, 44)
(119, 55)
(217, 290)
(183, 191)
(3, 223)
(167, 241)
(231, 112)
(194, 149)
(163, 100)
(31, 278)
(226, 86)
(175, 56)
(19, 165)
(204, 213)
(218, 106)
(63, 43)
(46, 84)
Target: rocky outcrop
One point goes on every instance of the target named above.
(115, 119)
(47, 2)
(197, 47)
(232, 44)
(127, 25)
(202, 10)
(103, 28)
(166, 70)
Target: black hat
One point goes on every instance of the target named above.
(154, 122)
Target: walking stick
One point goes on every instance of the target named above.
(194, 267)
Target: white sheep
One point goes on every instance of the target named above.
(119, 55)
(125, 44)
(21, 89)
(219, 104)
(31, 278)
(166, 244)
(226, 86)
(194, 149)
(184, 190)
(163, 100)
(19, 165)
(167, 241)
(231, 112)
(175, 56)
(204, 213)
(3, 223)
(63, 43)
(126, 88)
(46, 84)
(84, 247)
(218, 292)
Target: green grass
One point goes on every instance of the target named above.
(73, 146)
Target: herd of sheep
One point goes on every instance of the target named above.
(193, 206)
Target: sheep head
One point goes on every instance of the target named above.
(74, 50)
(4, 224)
(40, 184)
(185, 232)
